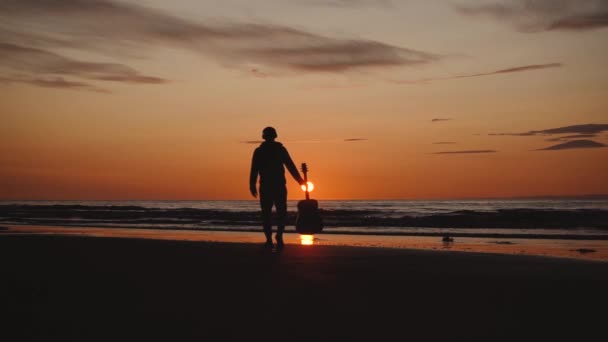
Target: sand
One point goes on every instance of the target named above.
(577, 249)
(97, 289)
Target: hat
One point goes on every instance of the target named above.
(269, 133)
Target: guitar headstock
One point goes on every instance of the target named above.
(304, 168)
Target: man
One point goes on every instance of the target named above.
(268, 160)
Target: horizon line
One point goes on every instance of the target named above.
(584, 196)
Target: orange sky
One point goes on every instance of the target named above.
(164, 109)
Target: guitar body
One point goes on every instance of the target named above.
(309, 219)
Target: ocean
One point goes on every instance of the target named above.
(553, 218)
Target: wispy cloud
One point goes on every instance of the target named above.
(54, 82)
(466, 152)
(574, 132)
(441, 119)
(514, 69)
(308, 141)
(522, 68)
(257, 73)
(348, 3)
(572, 137)
(574, 144)
(36, 62)
(331, 85)
(544, 15)
(44, 24)
(45, 62)
(574, 129)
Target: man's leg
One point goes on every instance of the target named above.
(281, 205)
(266, 204)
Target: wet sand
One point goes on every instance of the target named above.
(94, 289)
(562, 248)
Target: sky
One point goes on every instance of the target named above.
(383, 99)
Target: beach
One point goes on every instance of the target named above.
(99, 288)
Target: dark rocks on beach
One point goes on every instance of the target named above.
(502, 242)
(584, 250)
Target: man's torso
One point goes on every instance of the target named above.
(270, 157)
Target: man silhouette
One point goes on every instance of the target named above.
(268, 160)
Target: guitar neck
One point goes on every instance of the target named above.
(305, 172)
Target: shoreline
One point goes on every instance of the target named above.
(595, 250)
(329, 230)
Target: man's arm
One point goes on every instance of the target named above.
(253, 175)
(291, 167)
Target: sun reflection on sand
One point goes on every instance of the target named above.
(307, 240)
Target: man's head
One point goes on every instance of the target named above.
(269, 134)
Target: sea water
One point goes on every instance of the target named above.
(559, 218)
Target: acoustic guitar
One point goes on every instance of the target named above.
(309, 219)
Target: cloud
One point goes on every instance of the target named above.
(574, 129)
(544, 15)
(514, 69)
(54, 82)
(41, 62)
(444, 143)
(441, 119)
(258, 73)
(105, 25)
(524, 134)
(348, 3)
(466, 152)
(330, 55)
(308, 141)
(495, 72)
(330, 85)
(574, 144)
(574, 136)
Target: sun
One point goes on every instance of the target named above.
(311, 187)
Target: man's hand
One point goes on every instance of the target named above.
(253, 190)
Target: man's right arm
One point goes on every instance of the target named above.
(253, 174)
(291, 167)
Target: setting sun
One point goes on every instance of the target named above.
(311, 187)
